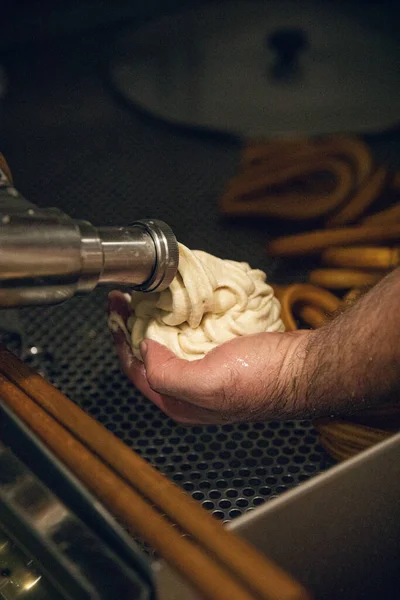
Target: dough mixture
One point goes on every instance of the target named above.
(210, 301)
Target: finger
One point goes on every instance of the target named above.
(118, 303)
(180, 411)
(193, 381)
(133, 368)
(129, 363)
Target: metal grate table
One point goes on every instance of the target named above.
(70, 143)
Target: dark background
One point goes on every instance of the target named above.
(72, 143)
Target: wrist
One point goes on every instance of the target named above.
(290, 386)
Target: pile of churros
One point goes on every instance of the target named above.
(354, 205)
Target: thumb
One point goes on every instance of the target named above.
(166, 374)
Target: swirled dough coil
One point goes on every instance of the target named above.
(210, 301)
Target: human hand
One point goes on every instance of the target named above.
(250, 378)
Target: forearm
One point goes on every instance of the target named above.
(354, 361)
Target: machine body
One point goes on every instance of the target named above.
(46, 257)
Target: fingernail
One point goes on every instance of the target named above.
(143, 349)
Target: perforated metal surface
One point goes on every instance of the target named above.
(70, 144)
(230, 469)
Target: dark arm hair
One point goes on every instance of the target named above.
(354, 361)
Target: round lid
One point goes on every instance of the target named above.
(265, 68)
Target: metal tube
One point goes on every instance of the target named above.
(129, 255)
(144, 255)
(33, 247)
(46, 257)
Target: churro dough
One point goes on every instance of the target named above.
(210, 301)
